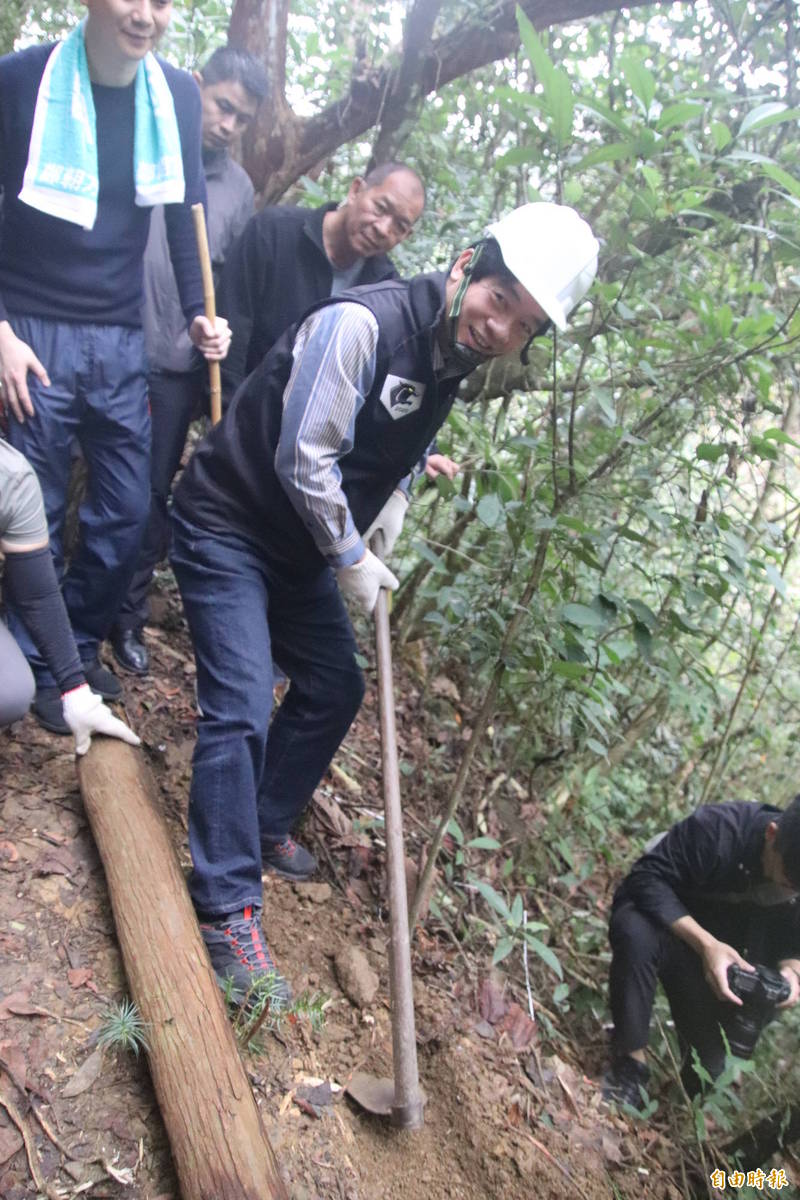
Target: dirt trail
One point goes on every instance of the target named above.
(502, 1122)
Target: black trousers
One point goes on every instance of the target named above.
(644, 953)
(175, 401)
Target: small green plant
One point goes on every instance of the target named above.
(263, 1008)
(123, 1028)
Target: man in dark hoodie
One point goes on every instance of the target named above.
(718, 890)
(272, 523)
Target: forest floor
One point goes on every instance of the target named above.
(510, 1115)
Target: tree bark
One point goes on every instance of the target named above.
(219, 1145)
(280, 147)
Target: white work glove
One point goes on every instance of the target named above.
(389, 521)
(86, 714)
(364, 579)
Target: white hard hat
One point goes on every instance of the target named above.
(552, 252)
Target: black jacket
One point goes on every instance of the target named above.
(231, 485)
(274, 272)
(709, 867)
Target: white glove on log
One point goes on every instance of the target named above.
(86, 714)
(389, 521)
(364, 579)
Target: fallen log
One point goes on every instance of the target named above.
(219, 1144)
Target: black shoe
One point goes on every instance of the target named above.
(288, 858)
(102, 681)
(241, 958)
(626, 1082)
(130, 651)
(48, 710)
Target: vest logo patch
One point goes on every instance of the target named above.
(401, 397)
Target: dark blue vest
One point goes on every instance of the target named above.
(230, 483)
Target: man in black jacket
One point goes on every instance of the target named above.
(718, 889)
(288, 258)
(272, 522)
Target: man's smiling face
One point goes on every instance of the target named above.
(498, 316)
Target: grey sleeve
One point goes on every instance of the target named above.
(22, 517)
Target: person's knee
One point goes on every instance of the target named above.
(16, 693)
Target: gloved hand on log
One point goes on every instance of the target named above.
(85, 713)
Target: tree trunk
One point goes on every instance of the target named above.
(219, 1145)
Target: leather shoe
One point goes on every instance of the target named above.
(130, 651)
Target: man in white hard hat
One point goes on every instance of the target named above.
(272, 522)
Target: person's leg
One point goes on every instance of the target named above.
(697, 1013)
(45, 439)
(225, 598)
(637, 946)
(17, 686)
(313, 642)
(174, 399)
(115, 439)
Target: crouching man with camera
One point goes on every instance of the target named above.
(711, 909)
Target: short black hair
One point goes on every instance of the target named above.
(489, 261)
(229, 65)
(787, 841)
(382, 172)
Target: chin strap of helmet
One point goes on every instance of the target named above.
(462, 355)
(524, 353)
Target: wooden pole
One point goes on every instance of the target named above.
(219, 1145)
(407, 1109)
(214, 381)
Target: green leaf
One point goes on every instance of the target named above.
(721, 134)
(643, 613)
(569, 670)
(483, 843)
(490, 510)
(583, 616)
(562, 107)
(502, 950)
(778, 435)
(597, 747)
(455, 831)
(709, 452)
(492, 898)
(673, 115)
(534, 49)
(641, 81)
(772, 113)
(643, 639)
(517, 910)
(613, 152)
(519, 156)
(782, 177)
(545, 954)
(776, 579)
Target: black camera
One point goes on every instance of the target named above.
(760, 991)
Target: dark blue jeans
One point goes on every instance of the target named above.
(175, 400)
(251, 780)
(97, 395)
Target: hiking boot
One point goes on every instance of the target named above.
(130, 651)
(625, 1081)
(288, 858)
(240, 956)
(48, 710)
(101, 680)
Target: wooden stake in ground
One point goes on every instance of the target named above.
(219, 1145)
(214, 378)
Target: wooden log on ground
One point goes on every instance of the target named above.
(219, 1144)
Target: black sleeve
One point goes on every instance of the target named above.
(695, 854)
(241, 295)
(30, 583)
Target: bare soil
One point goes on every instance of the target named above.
(506, 1117)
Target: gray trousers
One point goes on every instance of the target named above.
(17, 686)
